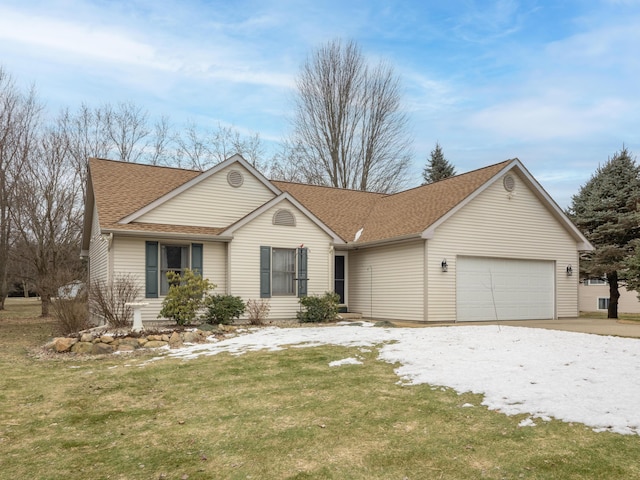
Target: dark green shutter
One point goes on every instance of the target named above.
(302, 272)
(151, 268)
(196, 258)
(265, 272)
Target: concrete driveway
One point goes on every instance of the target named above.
(584, 325)
(598, 326)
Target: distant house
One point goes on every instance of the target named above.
(485, 245)
(594, 297)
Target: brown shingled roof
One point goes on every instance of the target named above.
(388, 216)
(413, 211)
(121, 188)
(343, 211)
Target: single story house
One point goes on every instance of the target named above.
(489, 244)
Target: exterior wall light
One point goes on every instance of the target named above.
(569, 271)
(444, 265)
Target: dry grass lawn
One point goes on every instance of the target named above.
(278, 415)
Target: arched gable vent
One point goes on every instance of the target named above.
(235, 178)
(284, 217)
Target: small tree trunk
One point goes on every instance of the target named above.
(614, 294)
(46, 303)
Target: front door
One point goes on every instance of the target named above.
(339, 282)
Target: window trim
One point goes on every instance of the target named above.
(293, 274)
(164, 269)
(154, 264)
(300, 280)
(605, 301)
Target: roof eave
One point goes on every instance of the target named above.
(168, 235)
(383, 241)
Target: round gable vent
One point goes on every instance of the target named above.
(509, 183)
(235, 178)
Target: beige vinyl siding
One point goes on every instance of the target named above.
(498, 225)
(212, 202)
(387, 282)
(589, 295)
(98, 252)
(129, 258)
(244, 254)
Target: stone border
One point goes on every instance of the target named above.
(104, 343)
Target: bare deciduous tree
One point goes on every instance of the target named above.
(47, 215)
(349, 122)
(200, 150)
(127, 126)
(160, 152)
(19, 115)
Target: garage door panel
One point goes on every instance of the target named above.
(504, 289)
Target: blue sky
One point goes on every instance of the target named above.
(553, 83)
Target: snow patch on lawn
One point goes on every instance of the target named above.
(345, 361)
(574, 377)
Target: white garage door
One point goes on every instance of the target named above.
(501, 289)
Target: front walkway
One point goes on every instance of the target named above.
(584, 325)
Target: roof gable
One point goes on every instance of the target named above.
(341, 210)
(277, 200)
(195, 182)
(412, 211)
(120, 188)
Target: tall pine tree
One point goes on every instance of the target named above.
(606, 210)
(438, 167)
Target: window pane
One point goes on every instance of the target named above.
(283, 271)
(173, 258)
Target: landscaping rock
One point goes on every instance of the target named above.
(107, 339)
(155, 344)
(86, 337)
(175, 341)
(63, 344)
(191, 337)
(142, 341)
(101, 348)
(82, 347)
(132, 342)
(123, 347)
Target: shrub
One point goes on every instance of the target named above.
(319, 308)
(186, 296)
(258, 311)
(72, 314)
(108, 300)
(222, 309)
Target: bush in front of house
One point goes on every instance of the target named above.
(222, 309)
(72, 314)
(319, 309)
(108, 300)
(187, 295)
(258, 311)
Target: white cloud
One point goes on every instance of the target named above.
(553, 117)
(85, 40)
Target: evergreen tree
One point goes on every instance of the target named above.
(438, 167)
(606, 210)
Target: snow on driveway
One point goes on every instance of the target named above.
(575, 377)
